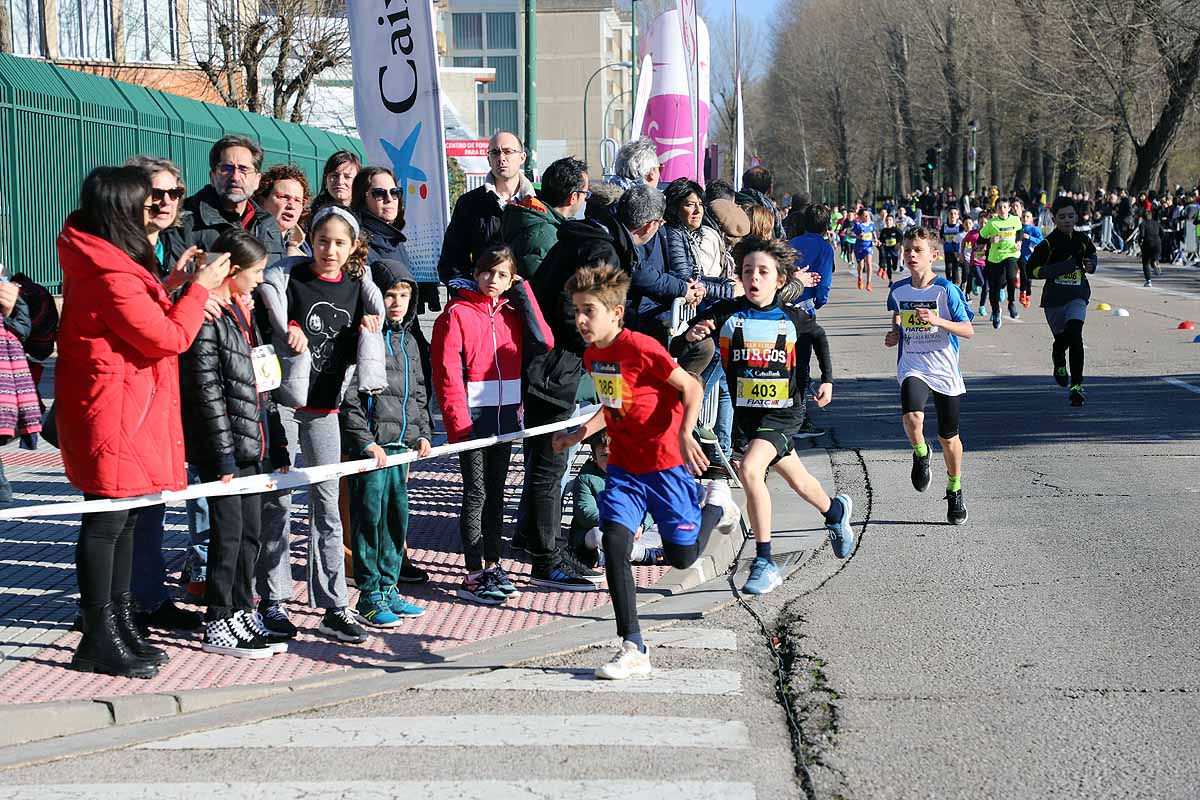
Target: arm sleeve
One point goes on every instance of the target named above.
(18, 323)
(200, 380)
(892, 305)
(988, 230)
(824, 359)
(356, 428)
(420, 396)
(680, 261)
(651, 279)
(957, 306)
(131, 313)
(1089, 252)
(586, 509)
(455, 246)
(824, 268)
(447, 358)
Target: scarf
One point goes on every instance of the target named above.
(20, 412)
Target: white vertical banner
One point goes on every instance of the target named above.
(691, 65)
(397, 104)
(739, 143)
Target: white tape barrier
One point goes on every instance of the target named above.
(275, 481)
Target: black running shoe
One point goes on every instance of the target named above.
(1076, 396)
(170, 617)
(411, 573)
(579, 568)
(561, 576)
(920, 472)
(956, 508)
(808, 430)
(341, 625)
(275, 620)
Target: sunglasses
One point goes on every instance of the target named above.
(382, 194)
(158, 195)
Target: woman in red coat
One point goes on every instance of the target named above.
(116, 393)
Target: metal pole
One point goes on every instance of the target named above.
(586, 89)
(633, 54)
(531, 87)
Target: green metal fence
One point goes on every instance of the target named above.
(57, 124)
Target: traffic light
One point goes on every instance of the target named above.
(931, 159)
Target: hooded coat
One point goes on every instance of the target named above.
(530, 228)
(397, 415)
(208, 222)
(116, 381)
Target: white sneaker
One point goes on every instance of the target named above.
(226, 637)
(628, 661)
(720, 495)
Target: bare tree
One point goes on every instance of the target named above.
(265, 55)
(5, 30)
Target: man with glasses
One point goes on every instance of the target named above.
(530, 225)
(235, 164)
(475, 223)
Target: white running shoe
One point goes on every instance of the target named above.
(718, 494)
(628, 662)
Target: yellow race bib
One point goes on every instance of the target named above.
(763, 392)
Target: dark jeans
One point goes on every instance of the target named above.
(379, 525)
(1001, 275)
(104, 554)
(149, 580)
(484, 472)
(544, 470)
(1150, 254)
(232, 548)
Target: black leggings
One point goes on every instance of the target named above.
(914, 394)
(1150, 253)
(484, 471)
(1001, 275)
(232, 548)
(1070, 341)
(1023, 269)
(618, 545)
(891, 260)
(104, 555)
(954, 270)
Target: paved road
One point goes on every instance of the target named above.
(1046, 648)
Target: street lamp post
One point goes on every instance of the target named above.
(587, 89)
(820, 171)
(938, 180)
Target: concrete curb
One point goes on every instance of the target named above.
(34, 722)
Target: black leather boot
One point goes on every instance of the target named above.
(103, 650)
(132, 636)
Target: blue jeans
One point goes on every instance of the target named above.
(714, 375)
(148, 579)
(194, 566)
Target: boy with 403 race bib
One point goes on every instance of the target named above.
(929, 315)
(765, 348)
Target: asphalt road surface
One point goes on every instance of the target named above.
(1046, 648)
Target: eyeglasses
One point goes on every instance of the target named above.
(382, 194)
(158, 195)
(508, 152)
(240, 169)
(289, 199)
(585, 192)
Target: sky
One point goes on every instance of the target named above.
(746, 8)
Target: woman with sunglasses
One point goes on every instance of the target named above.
(169, 228)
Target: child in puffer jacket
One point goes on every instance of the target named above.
(478, 348)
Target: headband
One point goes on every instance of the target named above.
(338, 211)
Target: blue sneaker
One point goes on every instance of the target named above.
(504, 581)
(841, 535)
(373, 609)
(764, 577)
(997, 320)
(401, 607)
(982, 307)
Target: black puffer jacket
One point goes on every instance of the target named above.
(226, 423)
(398, 415)
(208, 222)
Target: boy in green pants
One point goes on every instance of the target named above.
(379, 426)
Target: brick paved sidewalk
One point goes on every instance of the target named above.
(38, 595)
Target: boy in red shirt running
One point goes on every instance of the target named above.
(652, 454)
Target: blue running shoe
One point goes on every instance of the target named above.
(764, 577)
(841, 535)
(997, 320)
(401, 607)
(373, 609)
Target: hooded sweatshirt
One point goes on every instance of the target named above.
(530, 228)
(395, 417)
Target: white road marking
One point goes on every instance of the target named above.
(1159, 290)
(373, 790)
(592, 730)
(1183, 385)
(661, 681)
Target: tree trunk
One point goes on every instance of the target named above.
(1150, 154)
(5, 30)
(954, 97)
(1019, 176)
(1047, 173)
(1164, 178)
(993, 139)
(898, 59)
(1116, 161)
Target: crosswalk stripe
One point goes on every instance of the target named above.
(664, 681)
(593, 730)
(373, 790)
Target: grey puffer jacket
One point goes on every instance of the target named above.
(396, 416)
(370, 375)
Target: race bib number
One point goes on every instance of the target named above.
(268, 373)
(763, 393)
(1070, 279)
(890, 242)
(919, 337)
(610, 387)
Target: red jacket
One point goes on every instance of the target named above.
(116, 382)
(477, 354)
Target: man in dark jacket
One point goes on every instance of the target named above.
(235, 163)
(552, 380)
(530, 225)
(379, 426)
(475, 222)
(757, 186)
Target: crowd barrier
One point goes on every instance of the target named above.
(275, 481)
